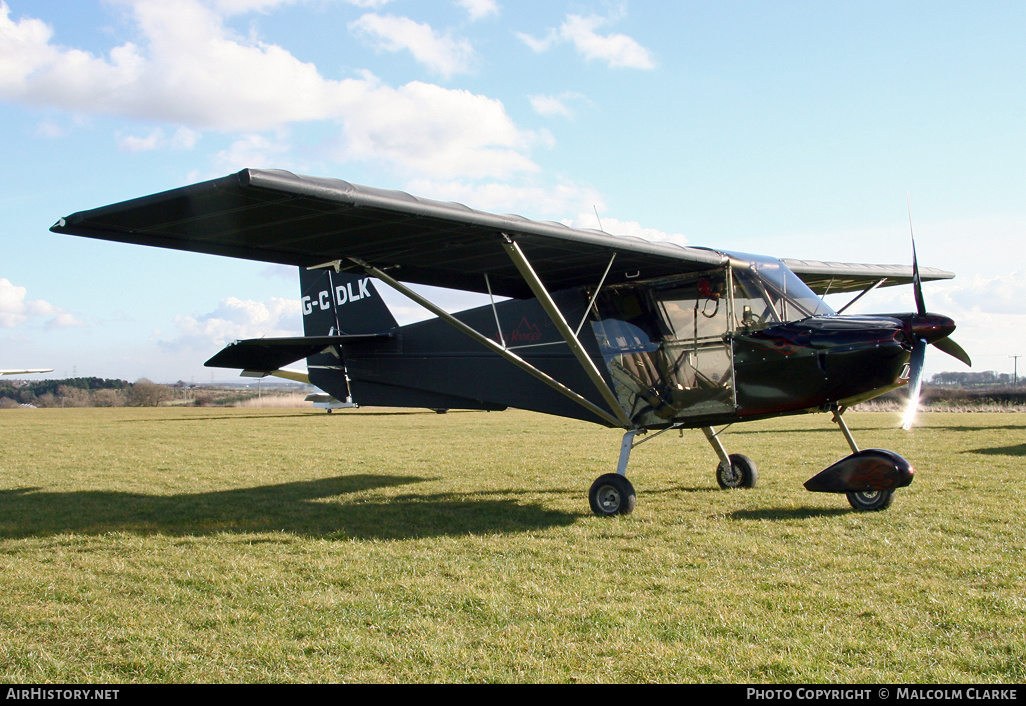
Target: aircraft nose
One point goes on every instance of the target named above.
(932, 327)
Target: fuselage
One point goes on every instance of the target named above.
(697, 350)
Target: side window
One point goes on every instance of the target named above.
(696, 312)
(754, 307)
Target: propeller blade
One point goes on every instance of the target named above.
(917, 283)
(954, 350)
(915, 383)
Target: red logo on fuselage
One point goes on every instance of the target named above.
(525, 332)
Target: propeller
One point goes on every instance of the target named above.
(925, 329)
(915, 383)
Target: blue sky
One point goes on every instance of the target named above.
(793, 129)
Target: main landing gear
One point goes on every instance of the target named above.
(868, 478)
(612, 494)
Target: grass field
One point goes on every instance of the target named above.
(252, 545)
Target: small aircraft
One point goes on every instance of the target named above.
(26, 371)
(630, 334)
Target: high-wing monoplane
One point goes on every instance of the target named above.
(640, 336)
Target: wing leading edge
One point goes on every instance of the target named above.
(277, 216)
(839, 277)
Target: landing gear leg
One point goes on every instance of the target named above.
(612, 494)
(735, 470)
(839, 421)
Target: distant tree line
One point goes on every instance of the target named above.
(987, 378)
(82, 392)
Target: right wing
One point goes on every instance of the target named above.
(839, 277)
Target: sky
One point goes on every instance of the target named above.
(794, 129)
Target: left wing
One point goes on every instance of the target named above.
(26, 371)
(277, 216)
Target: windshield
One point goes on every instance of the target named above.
(774, 292)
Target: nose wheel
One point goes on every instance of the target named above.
(870, 500)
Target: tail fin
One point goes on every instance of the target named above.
(341, 303)
(336, 308)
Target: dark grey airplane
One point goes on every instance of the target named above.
(614, 330)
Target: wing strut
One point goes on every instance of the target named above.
(594, 295)
(531, 277)
(861, 294)
(495, 347)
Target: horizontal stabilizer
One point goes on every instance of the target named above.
(273, 353)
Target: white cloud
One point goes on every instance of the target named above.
(254, 151)
(555, 106)
(192, 72)
(1000, 294)
(438, 132)
(550, 105)
(539, 45)
(16, 311)
(633, 229)
(132, 143)
(236, 319)
(50, 130)
(441, 54)
(618, 51)
(182, 139)
(479, 9)
(238, 7)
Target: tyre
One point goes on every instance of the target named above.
(870, 500)
(742, 473)
(612, 494)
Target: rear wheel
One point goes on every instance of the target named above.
(612, 494)
(741, 474)
(870, 500)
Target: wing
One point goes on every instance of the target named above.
(839, 277)
(26, 371)
(277, 216)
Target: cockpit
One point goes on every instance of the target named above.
(765, 292)
(668, 344)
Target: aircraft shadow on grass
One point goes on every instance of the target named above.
(798, 513)
(1014, 450)
(316, 508)
(282, 415)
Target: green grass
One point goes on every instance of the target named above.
(220, 545)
